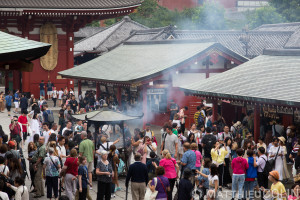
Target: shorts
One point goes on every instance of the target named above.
(16, 104)
(49, 92)
(8, 108)
(90, 166)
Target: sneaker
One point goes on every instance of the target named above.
(113, 196)
(91, 188)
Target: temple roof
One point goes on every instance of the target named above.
(17, 48)
(136, 61)
(269, 78)
(108, 38)
(69, 4)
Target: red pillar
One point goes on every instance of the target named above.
(97, 89)
(215, 110)
(25, 81)
(119, 94)
(256, 122)
(145, 106)
(79, 86)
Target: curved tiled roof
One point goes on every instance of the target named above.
(68, 4)
(269, 78)
(108, 38)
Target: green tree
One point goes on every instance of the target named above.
(264, 15)
(290, 9)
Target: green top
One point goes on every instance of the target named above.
(40, 153)
(175, 131)
(86, 147)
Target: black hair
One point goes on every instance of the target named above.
(186, 108)
(174, 125)
(240, 152)
(187, 173)
(208, 130)
(250, 153)
(19, 180)
(275, 139)
(198, 107)
(261, 138)
(36, 138)
(207, 162)
(2, 160)
(46, 123)
(261, 150)
(141, 134)
(4, 138)
(63, 197)
(1, 184)
(226, 140)
(213, 170)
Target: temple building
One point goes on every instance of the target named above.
(54, 22)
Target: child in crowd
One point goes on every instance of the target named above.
(202, 182)
(277, 188)
(83, 179)
(250, 175)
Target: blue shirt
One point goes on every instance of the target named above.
(189, 158)
(83, 171)
(251, 171)
(16, 97)
(202, 178)
(8, 99)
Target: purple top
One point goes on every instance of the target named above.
(160, 188)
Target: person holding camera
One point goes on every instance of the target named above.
(218, 158)
(15, 130)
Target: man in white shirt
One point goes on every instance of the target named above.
(148, 132)
(61, 149)
(105, 146)
(54, 129)
(46, 132)
(225, 134)
(68, 127)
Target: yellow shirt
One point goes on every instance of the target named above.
(278, 188)
(218, 156)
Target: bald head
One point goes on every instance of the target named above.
(42, 140)
(83, 134)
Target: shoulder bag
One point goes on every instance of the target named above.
(163, 187)
(149, 194)
(273, 161)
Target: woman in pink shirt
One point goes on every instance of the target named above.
(239, 167)
(198, 156)
(171, 170)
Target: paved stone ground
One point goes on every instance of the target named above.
(120, 195)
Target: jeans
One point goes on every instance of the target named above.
(238, 183)
(249, 187)
(42, 93)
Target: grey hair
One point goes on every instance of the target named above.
(50, 150)
(84, 134)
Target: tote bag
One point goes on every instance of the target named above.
(149, 194)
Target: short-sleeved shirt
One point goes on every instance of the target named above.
(60, 93)
(42, 86)
(170, 142)
(104, 168)
(86, 147)
(202, 178)
(61, 151)
(278, 188)
(161, 186)
(261, 163)
(52, 166)
(23, 120)
(106, 146)
(8, 100)
(211, 180)
(189, 158)
(16, 97)
(40, 153)
(49, 86)
(72, 164)
(82, 170)
(4, 169)
(169, 166)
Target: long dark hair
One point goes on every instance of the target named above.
(226, 140)
(213, 170)
(189, 138)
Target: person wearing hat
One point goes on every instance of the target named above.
(276, 152)
(277, 188)
(286, 174)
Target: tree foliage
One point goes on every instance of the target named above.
(264, 15)
(290, 9)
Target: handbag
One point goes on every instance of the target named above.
(273, 161)
(149, 194)
(163, 187)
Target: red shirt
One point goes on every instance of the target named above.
(72, 166)
(23, 120)
(16, 130)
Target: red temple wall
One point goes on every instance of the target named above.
(39, 73)
(178, 4)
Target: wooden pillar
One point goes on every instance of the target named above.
(256, 122)
(215, 110)
(98, 89)
(79, 86)
(26, 75)
(145, 106)
(119, 94)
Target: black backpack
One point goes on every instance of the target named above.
(200, 119)
(267, 169)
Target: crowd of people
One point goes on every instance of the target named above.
(199, 160)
